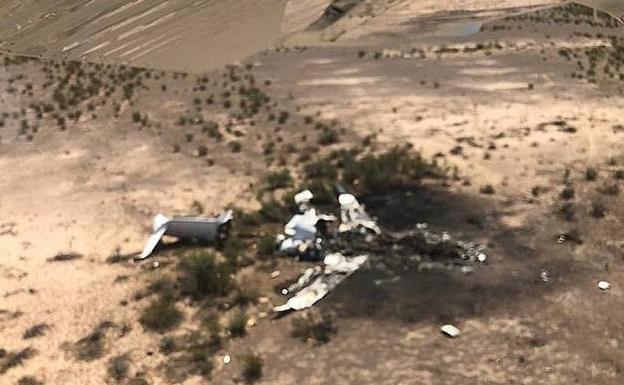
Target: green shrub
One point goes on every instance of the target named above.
(13, 359)
(266, 246)
(118, 367)
(252, 367)
(204, 276)
(591, 174)
(273, 211)
(487, 189)
(238, 324)
(91, 347)
(247, 293)
(598, 210)
(278, 179)
(168, 345)
(161, 315)
(35, 331)
(315, 328)
(29, 380)
(235, 146)
(396, 168)
(567, 193)
(328, 136)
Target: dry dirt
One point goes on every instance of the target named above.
(499, 107)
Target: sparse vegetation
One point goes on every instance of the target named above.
(29, 380)
(161, 315)
(36, 330)
(311, 327)
(238, 324)
(205, 276)
(252, 367)
(118, 367)
(278, 179)
(591, 174)
(13, 359)
(91, 347)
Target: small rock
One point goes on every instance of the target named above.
(604, 285)
(251, 322)
(450, 331)
(155, 264)
(227, 359)
(275, 274)
(263, 300)
(545, 276)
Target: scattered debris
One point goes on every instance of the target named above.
(303, 233)
(275, 274)
(316, 282)
(450, 331)
(604, 285)
(353, 216)
(202, 229)
(545, 276)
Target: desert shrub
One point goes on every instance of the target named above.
(211, 128)
(13, 359)
(619, 174)
(610, 189)
(591, 174)
(136, 117)
(29, 380)
(283, 117)
(278, 179)
(161, 315)
(35, 331)
(163, 286)
(204, 276)
(567, 211)
(252, 367)
(118, 367)
(235, 146)
(273, 211)
(199, 354)
(567, 193)
(63, 257)
(237, 325)
(139, 379)
(247, 293)
(396, 168)
(598, 210)
(266, 246)
(91, 347)
(487, 189)
(328, 136)
(323, 169)
(168, 345)
(315, 328)
(202, 150)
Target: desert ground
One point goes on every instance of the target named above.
(520, 122)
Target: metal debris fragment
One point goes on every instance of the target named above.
(450, 331)
(353, 216)
(317, 282)
(202, 229)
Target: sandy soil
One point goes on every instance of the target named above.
(499, 106)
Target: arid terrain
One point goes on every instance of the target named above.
(495, 121)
